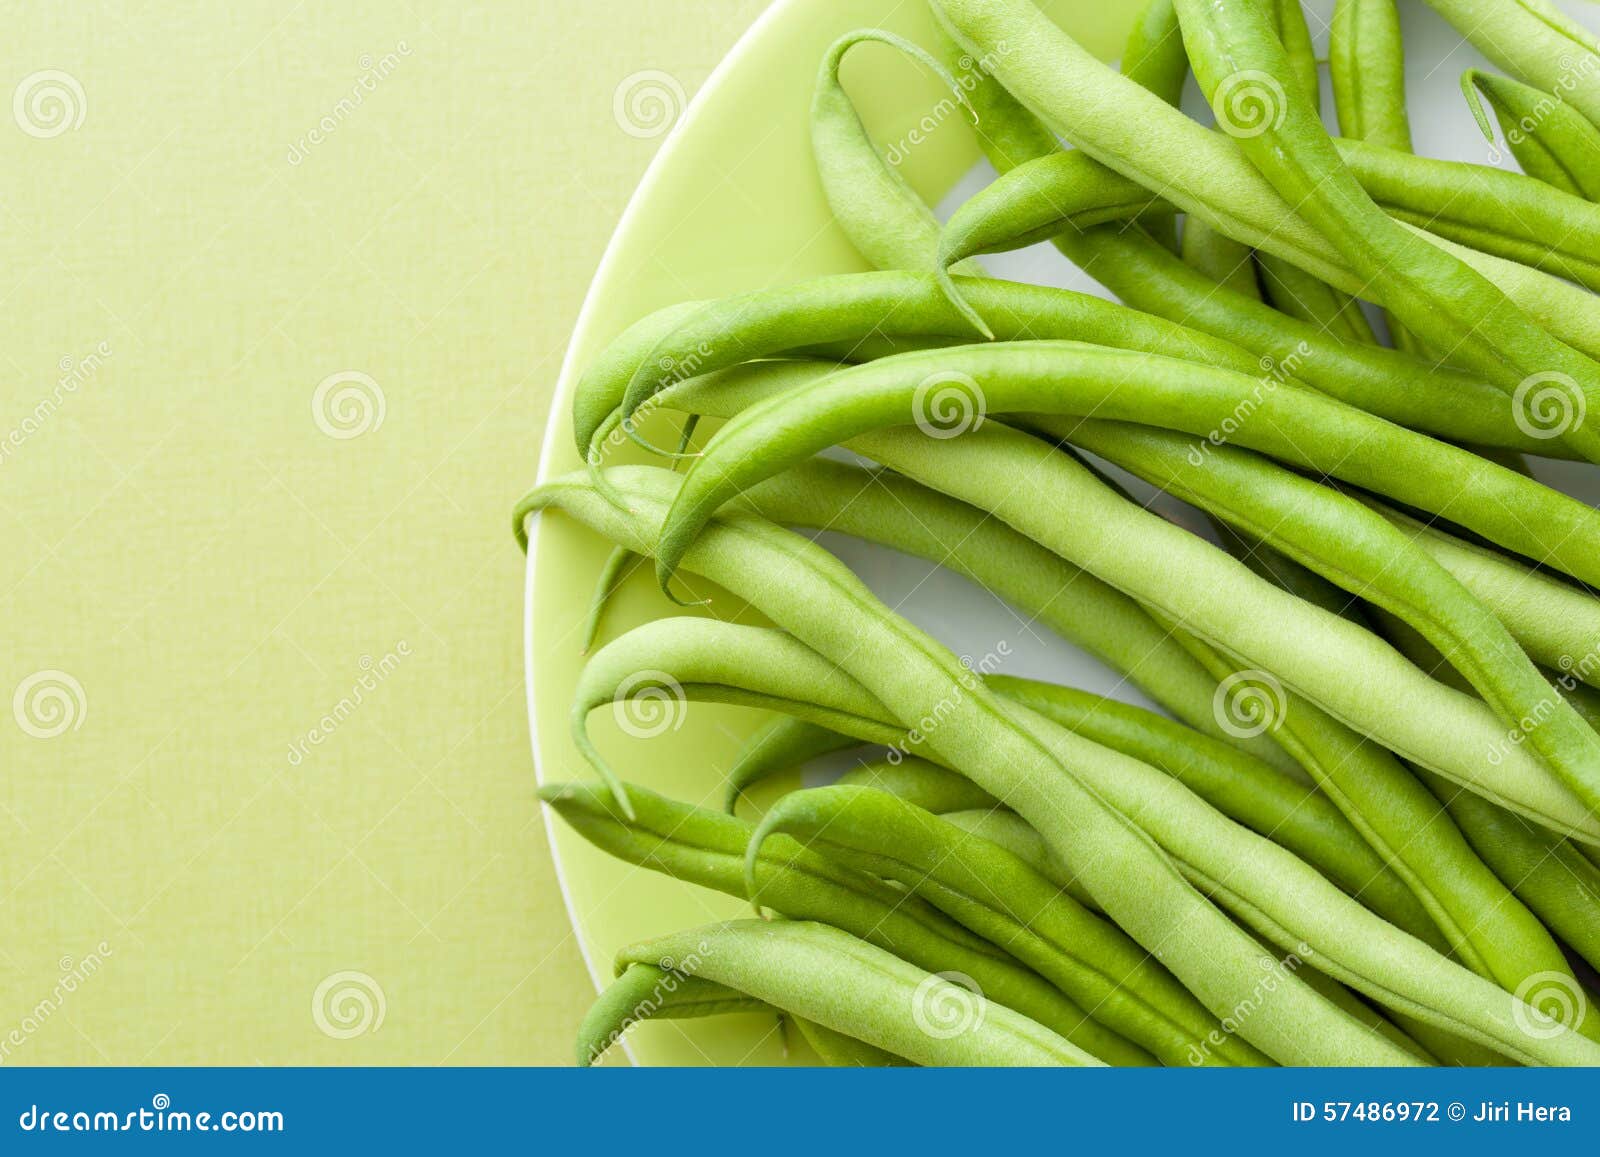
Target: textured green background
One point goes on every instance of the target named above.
(212, 569)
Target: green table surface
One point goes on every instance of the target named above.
(266, 791)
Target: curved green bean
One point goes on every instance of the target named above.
(646, 992)
(1001, 898)
(917, 781)
(1535, 42)
(833, 979)
(1549, 138)
(782, 745)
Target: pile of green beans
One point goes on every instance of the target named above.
(1361, 825)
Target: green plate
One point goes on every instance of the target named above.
(730, 204)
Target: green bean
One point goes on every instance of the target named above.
(840, 1051)
(852, 170)
(782, 745)
(895, 512)
(1550, 875)
(1001, 898)
(1557, 623)
(1367, 62)
(1535, 42)
(1282, 809)
(806, 591)
(1154, 58)
(1348, 242)
(1549, 138)
(619, 564)
(703, 847)
(847, 985)
(1216, 255)
(1134, 551)
(645, 992)
(916, 781)
(1025, 203)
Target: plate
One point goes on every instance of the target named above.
(731, 204)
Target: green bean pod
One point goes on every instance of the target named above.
(1550, 139)
(840, 1051)
(702, 847)
(782, 745)
(1535, 42)
(1001, 898)
(829, 977)
(1366, 60)
(1350, 243)
(647, 992)
(919, 782)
